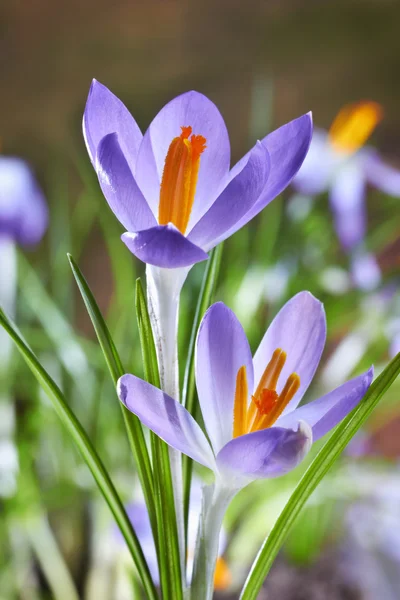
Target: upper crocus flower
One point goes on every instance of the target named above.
(172, 189)
(339, 162)
(249, 406)
(23, 209)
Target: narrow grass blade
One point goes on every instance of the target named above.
(167, 533)
(50, 558)
(54, 323)
(133, 425)
(189, 398)
(312, 477)
(88, 453)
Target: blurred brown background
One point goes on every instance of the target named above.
(319, 54)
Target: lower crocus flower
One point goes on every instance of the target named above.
(173, 189)
(249, 406)
(339, 162)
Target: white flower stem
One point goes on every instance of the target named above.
(216, 499)
(163, 292)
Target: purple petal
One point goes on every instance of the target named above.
(194, 110)
(394, 347)
(166, 417)
(164, 246)
(300, 330)
(347, 200)
(139, 517)
(221, 349)
(365, 271)
(287, 148)
(104, 114)
(381, 175)
(235, 201)
(267, 453)
(318, 167)
(120, 188)
(324, 414)
(23, 208)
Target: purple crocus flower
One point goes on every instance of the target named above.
(23, 209)
(23, 220)
(172, 188)
(338, 162)
(249, 406)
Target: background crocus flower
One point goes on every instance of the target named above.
(338, 162)
(23, 209)
(23, 220)
(173, 189)
(249, 405)
(372, 532)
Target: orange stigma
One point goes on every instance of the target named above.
(353, 126)
(179, 180)
(222, 575)
(266, 404)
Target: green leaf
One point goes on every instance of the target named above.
(312, 477)
(167, 541)
(103, 335)
(88, 453)
(133, 425)
(189, 397)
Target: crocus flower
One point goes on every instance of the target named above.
(340, 163)
(23, 220)
(249, 406)
(172, 188)
(23, 210)
(372, 532)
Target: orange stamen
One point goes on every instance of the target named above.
(240, 406)
(222, 575)
(353, 126)
(290, 388)
(179, 180)
(266, 405)
(268, 380)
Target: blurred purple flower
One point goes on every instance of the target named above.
(338, 162)
(365, 271)
(373, 534)
(249, 405)
(173, 189)
(23, 209)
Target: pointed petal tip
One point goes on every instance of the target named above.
(309, 298)
(122, 390)
(95, 83)
(217, 306)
